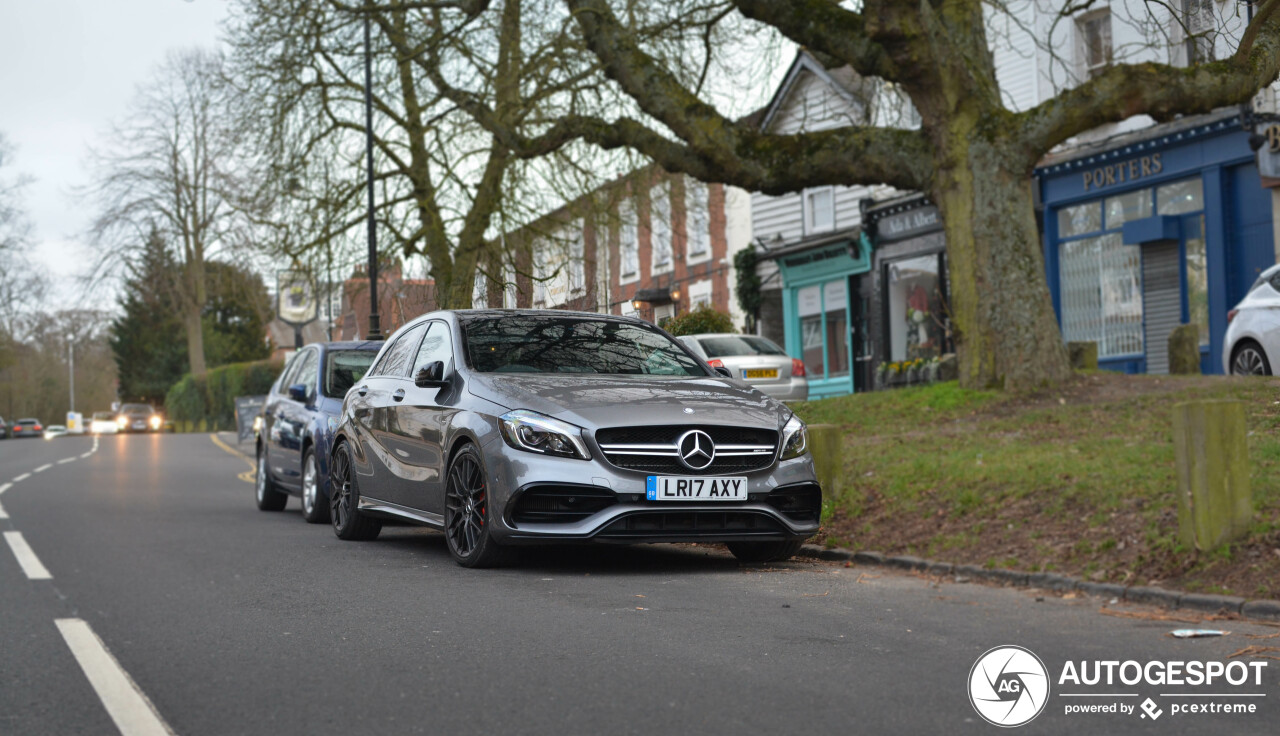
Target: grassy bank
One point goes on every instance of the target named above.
(1079, 480)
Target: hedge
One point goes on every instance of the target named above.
(208, 402)
(702, 320)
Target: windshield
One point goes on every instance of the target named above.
(343, 368)
(535, 344)
(135, 409)
(733, 345)
(102, 416)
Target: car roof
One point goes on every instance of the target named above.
(373, 345)
(725, 334)
(465, 314)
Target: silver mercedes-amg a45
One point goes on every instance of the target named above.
(513, 427)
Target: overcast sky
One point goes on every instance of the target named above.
(67, 68)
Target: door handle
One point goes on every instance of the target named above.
(398, 395)
(362, 390)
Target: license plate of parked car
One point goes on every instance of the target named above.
(693, 488)
(759, 372)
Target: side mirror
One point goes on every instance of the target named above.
(431, 376)
(298, 392)
(723, 371)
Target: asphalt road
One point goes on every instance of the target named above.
(234, 621)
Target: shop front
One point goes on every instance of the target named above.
(816, 308)
(1164, 227)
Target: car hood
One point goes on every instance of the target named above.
(611, 401)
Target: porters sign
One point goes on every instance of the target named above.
(1124, 171)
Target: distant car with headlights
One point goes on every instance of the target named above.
(54, 431)
(27, 428)
(139, 418)
(103, 422)
(1251, 346)
(754, 360)
(296, 426)
(513, 427)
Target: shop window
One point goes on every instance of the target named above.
(1197, 277)
(1180, 197)
(809, 307)
(819, 210)
(1101, 294)
(917, 321)
(1080, 219)
(1129, 206)
(577, 258)
(836, 320)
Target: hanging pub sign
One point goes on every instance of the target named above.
(296, 302)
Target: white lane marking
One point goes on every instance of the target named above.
(31, 564)
(66, 460)
(5, 487)
(125, 702)
(3, 515)
(43, 468)
(87, 454)
(21, 478)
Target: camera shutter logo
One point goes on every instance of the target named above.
(1008, 686)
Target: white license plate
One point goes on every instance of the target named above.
(695, 488)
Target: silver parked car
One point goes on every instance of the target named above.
(511, 427)
(756, 361)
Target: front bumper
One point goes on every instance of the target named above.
(619, 512)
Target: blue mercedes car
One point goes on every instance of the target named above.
(297, 424)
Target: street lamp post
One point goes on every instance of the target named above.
(375, 332)
(71, 349)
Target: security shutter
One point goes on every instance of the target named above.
(1161, 301)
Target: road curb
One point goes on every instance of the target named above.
(1150, 595)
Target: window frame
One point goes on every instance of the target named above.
(811, 227)
(668, 232)
(1090, 69)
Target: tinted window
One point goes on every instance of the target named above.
(397, 359)
(343, 368)
(287, 376)
(435, 346)
(732, 345)
(528, 344)
(135, 409)
(1275, 281)
(103, 416)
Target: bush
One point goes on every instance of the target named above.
(211, 399)
(701, 320)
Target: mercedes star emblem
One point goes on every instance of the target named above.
(696, 449)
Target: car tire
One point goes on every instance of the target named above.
(765, 551)
(1249, 359)
(467, 514)
(315, 506)
(344, 500)
(268, 496)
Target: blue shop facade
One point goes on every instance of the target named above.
(1159, 228)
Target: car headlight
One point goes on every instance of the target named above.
(795, 438)
(534, 432)
(122, 420)
(155, 421)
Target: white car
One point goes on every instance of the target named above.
(1252, 343)
(54, 431)
(756, 361)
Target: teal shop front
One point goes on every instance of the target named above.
(816, 307)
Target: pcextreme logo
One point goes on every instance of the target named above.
(1009, 686)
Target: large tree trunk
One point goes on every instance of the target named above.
(1006, 332)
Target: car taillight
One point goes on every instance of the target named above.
(715, 363)
(1232, 315)
(797, 367)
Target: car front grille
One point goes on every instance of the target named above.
(654, 449)
(692, 525)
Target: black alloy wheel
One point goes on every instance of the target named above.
(344, 500)
(1249, 360)
(467, 513)
(269, 497)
